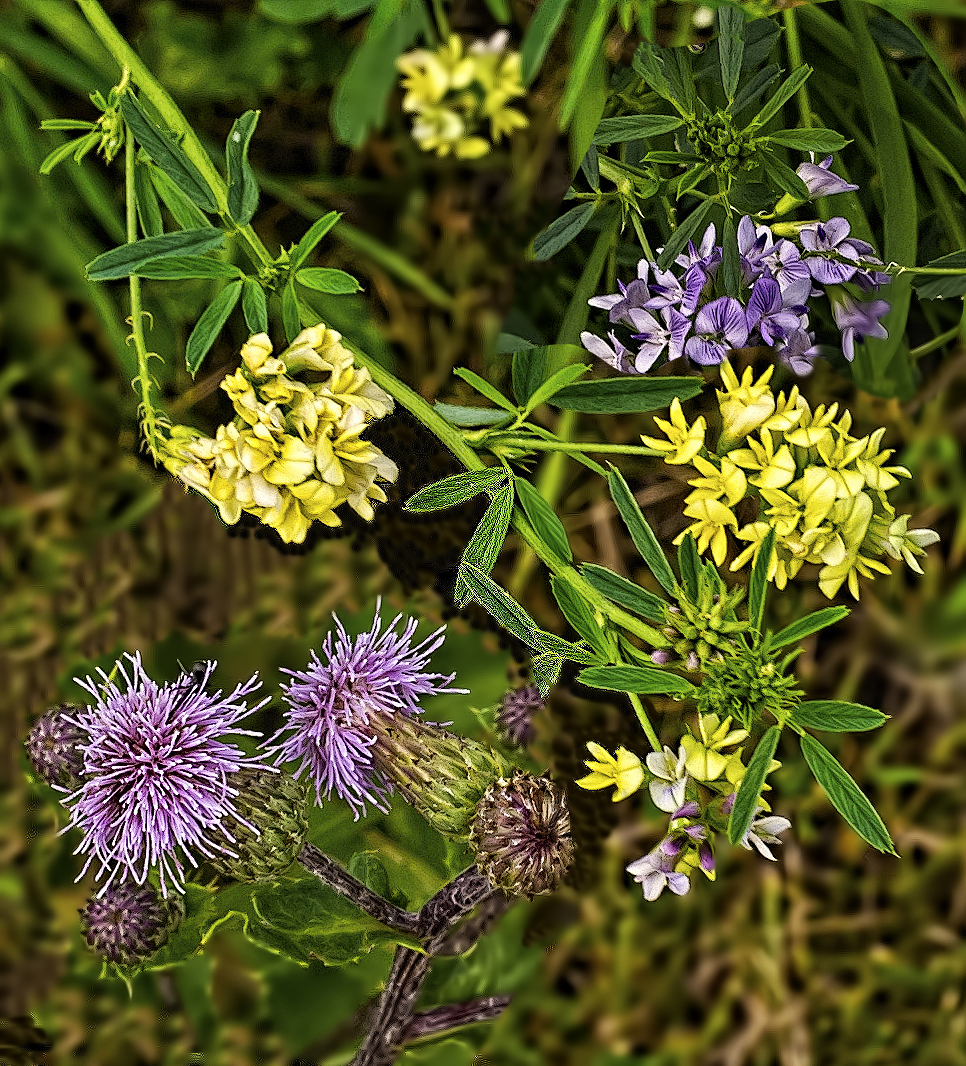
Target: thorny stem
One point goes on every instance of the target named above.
(453, 1015)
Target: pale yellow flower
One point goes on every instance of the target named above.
(710, 528)
(728, 481)
(704, 758)
(744, 404)
(625, 772)
(684, 441)
(775, 468)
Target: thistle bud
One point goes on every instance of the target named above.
(521, 834)
(442, 775)
(273, 806)
(129, 922)
(52, 748)
(515, 716)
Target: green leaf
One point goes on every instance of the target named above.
(748, 798)
(811, 623)
(590, 168)
(487, 540)
(509, 343)
(210, 324)
(328, 279)
(173, 267)
(558, 381)
(635, 128)
(931, 287)
(837, 716)
(690, 179)
(470, 417)
(540, 31)
(545, 669)
(185, 214)
(500, 10)
(781, 175)
(587, 45)
(731, 47)
(648, 63)
(543, 519)
(685, 231)
(303, 11)
(731, 260)
(624, 592)
(146, 199)
(758, 584)
(453, 490)
(690, 566)
(291, 314)
(846, 796)
(59, 154)
(319, 228)
(641, 533)
(562, 231)
(254, 306)
(126, 258)
(785, 92)
(752, 89)
(499, 604)
(66, 124)
(578, 613)
(626, 394)
(810, 140)
(482, 386)
(551, 644)
(164, 149)
(530, 367)
(242, 183)
(644, 680)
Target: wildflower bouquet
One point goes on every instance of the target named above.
(182, 826)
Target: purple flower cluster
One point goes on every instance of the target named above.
(683, 312)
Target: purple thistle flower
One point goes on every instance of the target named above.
(656, 337)
(820, 180)
(515, 717)
(718, 327)
(154, 777)
(766, 312)
(330, 704)
(857, 320)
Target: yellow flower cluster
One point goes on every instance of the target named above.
(294, 451)
(822, 490)
(453, 95)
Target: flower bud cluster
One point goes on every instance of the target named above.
(453, 95)
(702, 629)
(720, 144)
(294, 452)
(822, 490)
(130, 922)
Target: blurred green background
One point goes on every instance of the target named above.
(834, 954)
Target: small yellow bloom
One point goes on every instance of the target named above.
(775, 468)
(710, 527)
(684, 441)
(728, 481)
(705, 761)
(625, 772)
(744, 404)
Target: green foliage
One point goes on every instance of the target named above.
(748, 797)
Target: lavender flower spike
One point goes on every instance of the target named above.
(718, 327)
(330, 705)
(155, 769)
(820, 180)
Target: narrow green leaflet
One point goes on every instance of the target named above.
(210, 324)
(146, 199)
(328, 279)
(562, 231)
(545, 669)
(543, 518)
(624, 592)
(680, 237)
(185, 213)
(172, 267)
(126, 258)
(530, 366)
(578, 613)
(164, 149)
(731, 47)
(499, 604)
(242, 184)
(837, 716)
(555, 383)
(635, 127)
(254, 306)
(690, 179)
(758, 584)
(785, 92)
(731, 259)
(453, 490)
(319, 228)
(291, 315)
(846, 796)
(645, 680)
(551, 644)
(509, 343)
(625, 395)
(781, 175)
(748, 94)
(482, 386)
(540, 31)
(487, 540)
(689, 565)
(66, 124)
(811, 140)
(641, 533)
(60, 153)
(500, 10)
(470, 417)
(748, 798)
(811, 623)
(590, 168)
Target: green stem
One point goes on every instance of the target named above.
(794, 44)
(590, 447)
(938, 342)
(150, 418)
(173, 118)
(644, 720)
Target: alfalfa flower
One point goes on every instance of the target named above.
(154, 782)
(764, 831)
(704, 757)
(623, 771)
(670, 778)
(333, 703)
(683, 442)
(656, 871)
